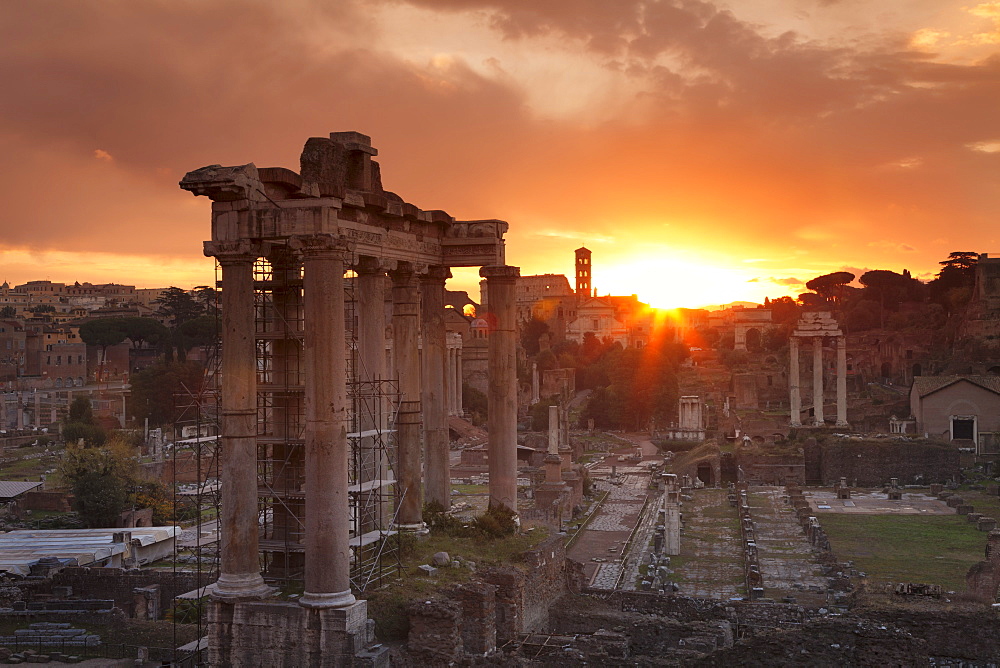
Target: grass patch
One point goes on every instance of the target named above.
(936, 549)
(471, 489)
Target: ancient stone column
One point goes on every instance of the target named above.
(239, 568)
(459, 410)
(437, 484)
(794, 399)
(327, 582)
(818, 380)
(553, 430)
(405, 316)
(502, 396)
(535, 397)
(327, 521)
(370, 298)
(842, 382)
(452, 386)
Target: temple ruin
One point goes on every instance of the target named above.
(817, 326)
(323, 414)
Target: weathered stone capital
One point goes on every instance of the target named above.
(321, 246)
(368, 265)
(500, 273)
(436, 274)
(227, 252)
(405, 271)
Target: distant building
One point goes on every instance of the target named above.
(597, 316)
(965, 409)
(572, 312)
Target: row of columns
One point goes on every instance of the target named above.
(794, 379)
(432, 388)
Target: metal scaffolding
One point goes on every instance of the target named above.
(281, 427)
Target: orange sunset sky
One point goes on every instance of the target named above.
(705, 150)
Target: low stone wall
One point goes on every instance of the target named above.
(117, 584)
(871, 463)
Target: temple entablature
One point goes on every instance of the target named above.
(338, 191)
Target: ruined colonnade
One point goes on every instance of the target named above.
(817, 326)
(285, 373)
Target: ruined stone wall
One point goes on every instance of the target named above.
(771, 468)
(119, 584)
(501, 604)
(55, 501)
(873, 463)
(545, 583)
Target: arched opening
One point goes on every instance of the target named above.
(886, 370)
(705, 473)
(59, 382)
(917, 370)
(994, 370)
(753, 340)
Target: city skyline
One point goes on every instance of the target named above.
(731, 152)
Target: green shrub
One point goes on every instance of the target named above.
(496, 522)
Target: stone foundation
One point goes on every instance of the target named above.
(287, 635)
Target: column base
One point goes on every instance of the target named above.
(795, 424)
(419, 528)
(341, 599)
(232, 587)
(817, 423)
(841, 423)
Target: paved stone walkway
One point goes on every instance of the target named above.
(599, 547)
(710, 564)
(788, 563)
(606, 576)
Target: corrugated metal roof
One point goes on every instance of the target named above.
(21, 548)
(11, 488)
(924, 385)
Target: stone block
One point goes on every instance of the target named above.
(440, 559)
(986, 524)
(955, 501)
(973, 518)
(427, 569)
(964, 509)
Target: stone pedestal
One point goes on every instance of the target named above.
(286, 635)
(502, 395)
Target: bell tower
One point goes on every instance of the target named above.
(583, 272)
